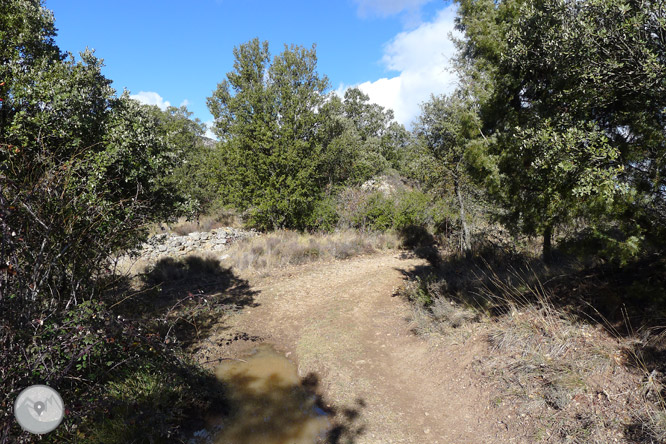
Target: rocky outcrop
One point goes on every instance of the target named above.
(387, 185)
(172, 245)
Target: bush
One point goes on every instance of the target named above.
(412, 213)
(80, 178)
(413, 209)
(377, 213)
(324, 217)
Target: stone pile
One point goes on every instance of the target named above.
(172, 245)
(380, 184)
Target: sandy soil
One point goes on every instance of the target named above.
(347, 331)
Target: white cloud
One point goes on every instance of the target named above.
(184, 103)
(209, 129)
(385, 8)
(151, 98)
(422, 57)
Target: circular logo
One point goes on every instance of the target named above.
(39, 409)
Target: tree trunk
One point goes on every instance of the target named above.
(466, 244)
(548, 243)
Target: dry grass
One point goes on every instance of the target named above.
(572, 378)
(433, 314)
(562, 376)
(283, 248)
(184, 226)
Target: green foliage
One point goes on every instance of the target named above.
(284, 140)
(81, 175)
(447, 124)
(551, 169)
(374, 142)
(377, 213)
(194, 175)
(266, 116)
(146, 403)
(448, 127)
(403, 210)
(574, 112)
(413, 209)
(324, 217)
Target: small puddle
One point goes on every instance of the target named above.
(270, 404)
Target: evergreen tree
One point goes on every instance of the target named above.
(575, 111)
(267, 114)
(449, 127)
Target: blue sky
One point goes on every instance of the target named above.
(397, 51)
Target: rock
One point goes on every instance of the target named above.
(380, 184)
(163, 245)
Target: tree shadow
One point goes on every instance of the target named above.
(274, 408)
(182, 299)
(417, 240)
(628, 302)
(177, 302)
(347, 424)
(623, 300)
(162, 405)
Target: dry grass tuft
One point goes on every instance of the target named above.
(283, 248)
(568, 373)
(432, 311)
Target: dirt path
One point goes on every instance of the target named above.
(341, 322)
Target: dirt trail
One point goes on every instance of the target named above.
(342, 322)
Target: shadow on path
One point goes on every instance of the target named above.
(182, 299)
(269, 403)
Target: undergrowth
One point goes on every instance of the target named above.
(563, 360)
(283, 248)
(203, 222)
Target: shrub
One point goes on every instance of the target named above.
(80, 178)
(412, 209)
(413, 213)
(324, 217)
(377, 213)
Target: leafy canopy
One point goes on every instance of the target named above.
(575, 110)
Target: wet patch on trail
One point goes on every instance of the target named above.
(269, 402)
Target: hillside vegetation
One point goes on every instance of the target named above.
(536, 190)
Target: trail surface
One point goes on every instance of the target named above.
(343, 325)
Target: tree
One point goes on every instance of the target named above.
(286, 142)
(80, 178)
(194, 176)
(267, 114)
(381, 138)
(448, 126)
(575, 110)
(362, 139)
